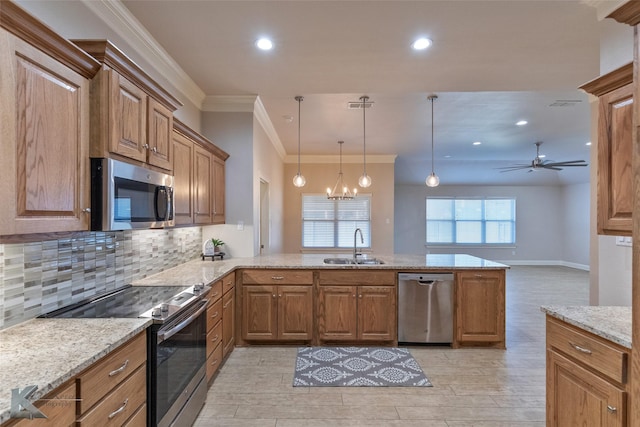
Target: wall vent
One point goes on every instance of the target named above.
(565, 103)
(358, 105)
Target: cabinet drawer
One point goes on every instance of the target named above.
(369, 277)
(277, 277)
(214, 314)
(228, 282)
(590, 350)
(139, 419)
(59, 413)
(214, 337)
(216, 292)
(213, 361)
(98, 380)
(120, 404)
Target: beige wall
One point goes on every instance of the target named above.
(321, 176)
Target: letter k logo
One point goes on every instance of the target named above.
(20, 405)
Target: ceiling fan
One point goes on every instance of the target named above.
(538, 164)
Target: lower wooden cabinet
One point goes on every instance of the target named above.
(59, 407)
(277, 313)
(586, 379)
(228, 322)
(480, 307)
(349, 310)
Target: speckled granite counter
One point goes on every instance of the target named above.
(209, 271)
(48, 352)
(611, 323)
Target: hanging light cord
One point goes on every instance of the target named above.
(364, 134)
(432, 153)
(299, 99)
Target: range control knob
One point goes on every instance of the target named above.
(198, 287)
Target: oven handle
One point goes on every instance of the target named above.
(164, 335)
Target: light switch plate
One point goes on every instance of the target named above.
(624, 241)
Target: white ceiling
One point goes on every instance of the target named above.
(492, 63)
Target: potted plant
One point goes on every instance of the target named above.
(217, 243)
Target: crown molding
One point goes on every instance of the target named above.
(260, 113)
(119, 18)
(603, 7)
(349, 159)
(229, 103)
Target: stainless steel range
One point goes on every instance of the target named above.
(176, 344)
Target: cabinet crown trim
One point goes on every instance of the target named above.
(108, 54)
(611, 81)
(628, 13)
(18, 22)
(201, 140)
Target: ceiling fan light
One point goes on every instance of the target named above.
(432, 180)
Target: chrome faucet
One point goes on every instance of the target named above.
(355, 234)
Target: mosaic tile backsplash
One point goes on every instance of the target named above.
(36, 278)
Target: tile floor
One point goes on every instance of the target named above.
(471, 387)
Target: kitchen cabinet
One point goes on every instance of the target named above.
(131, 115)
(214, 330)
(44, 128)
(112, 390)
(277, 305)
(199, 181)
(615, 143)
(357, 306)
(586, 378)
(228, 314)
(480, 308)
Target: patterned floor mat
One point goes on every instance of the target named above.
(357, 367)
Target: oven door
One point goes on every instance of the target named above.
(177, 353)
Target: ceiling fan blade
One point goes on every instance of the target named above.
(516, 166)
(568, 163)
(552, 167)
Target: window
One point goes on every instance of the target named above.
(331, 223)
(471, 221)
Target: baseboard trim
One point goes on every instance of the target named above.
(546, 263)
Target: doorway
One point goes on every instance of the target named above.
(264, 217)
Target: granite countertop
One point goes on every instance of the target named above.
(209, 271)
(48, 352)
(608, 322)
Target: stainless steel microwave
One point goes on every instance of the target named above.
(125, 196)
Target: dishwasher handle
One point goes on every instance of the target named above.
(426, 282)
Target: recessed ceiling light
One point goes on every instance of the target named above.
(264, 44)
(447, 156)
(588, 143)
(521, 123)
(421, 44)
(477, 143)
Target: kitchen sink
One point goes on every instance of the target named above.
(370, 261)
(338, 261)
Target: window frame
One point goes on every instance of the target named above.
(483, 222)
(336, 224)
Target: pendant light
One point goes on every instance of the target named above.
(365, 180)
(432, 180)
(299, 180)
(340, 190)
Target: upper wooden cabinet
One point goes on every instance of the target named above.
(198, 168)
(480, 308)
(131, 115)
(615, 124)
(44, 127)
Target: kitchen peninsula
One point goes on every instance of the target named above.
(475, 278)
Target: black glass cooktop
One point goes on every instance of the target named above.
(127, 302)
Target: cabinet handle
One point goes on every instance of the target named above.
(120, 369)
(580, 349)
(612, 409)
(227, 304)
(214, 315)
(354, 295)
(215, 294)
(478, 275)
(215, 362)
(120, 409)
(279, 295)
(360, 296)
(86, 210)
(214, 339)
(277, 277)
(154, 149)
(274, 295)
(146, 146)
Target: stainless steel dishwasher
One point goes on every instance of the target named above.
(425, 308)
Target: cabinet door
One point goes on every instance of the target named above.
(480, 300)
(337, 315)
(377, 313)
(218, 190)
(159, 131)
(576, 396)
(259, 313)
(127, 118)
(228, 322)
(615, 193)
(44, 135)
(295, 313)
(202, 178)
(182, 179)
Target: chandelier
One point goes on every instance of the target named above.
(340, 190)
